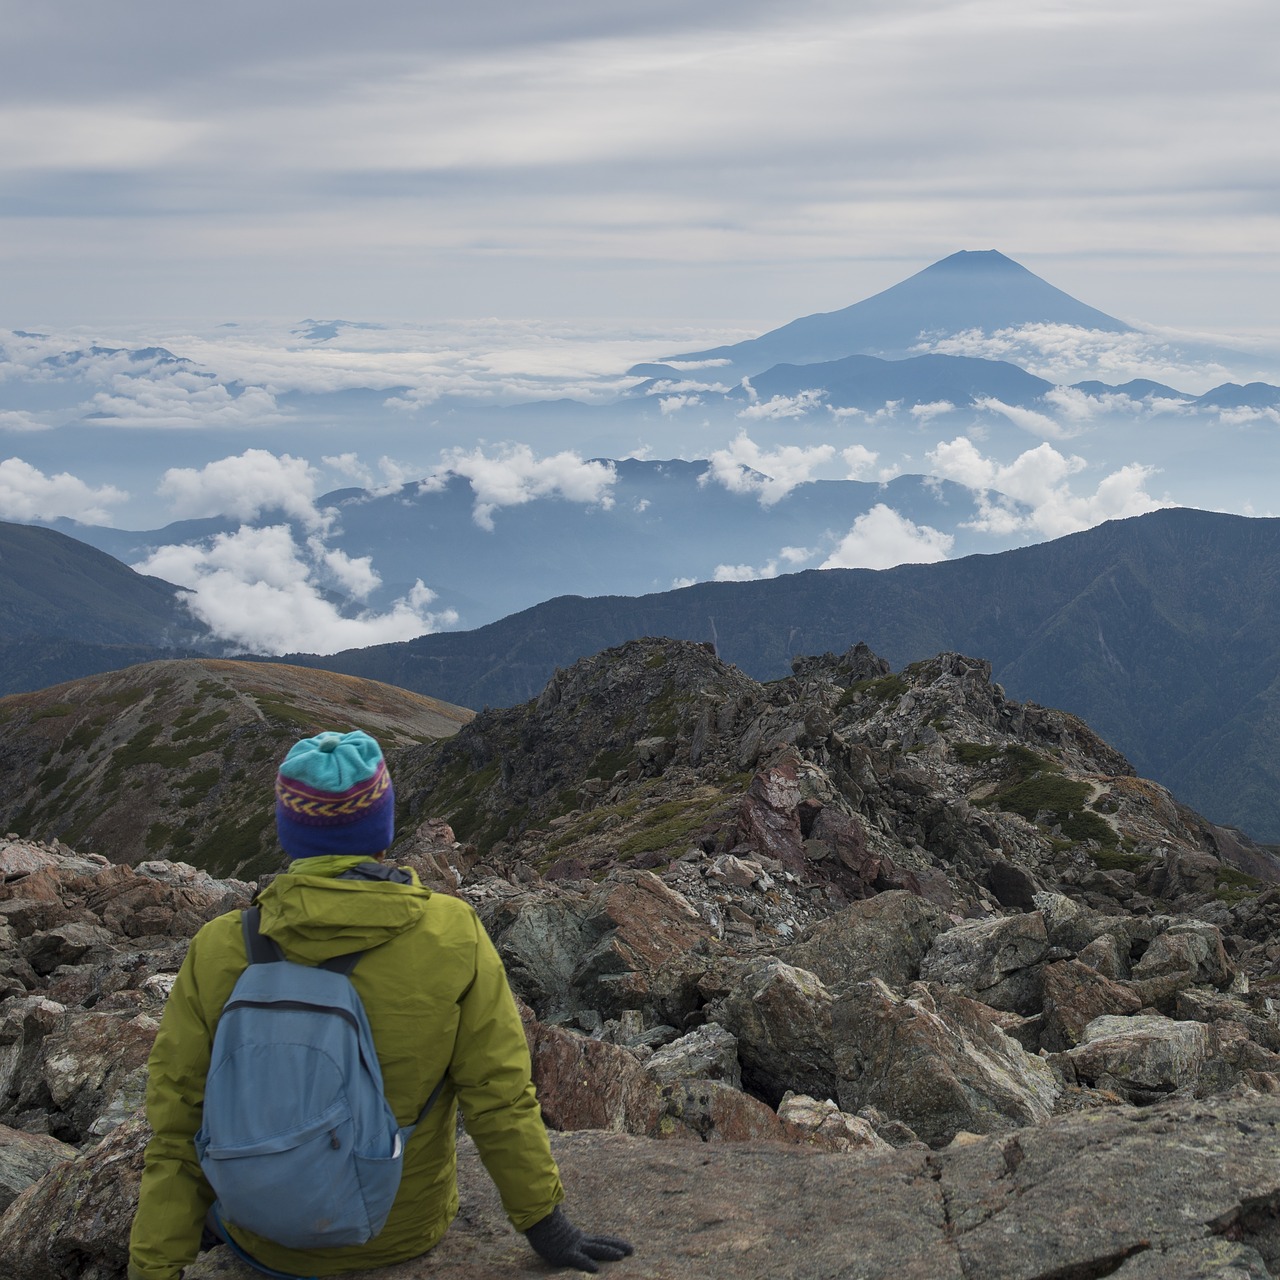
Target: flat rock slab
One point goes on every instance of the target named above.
(1186, 1189)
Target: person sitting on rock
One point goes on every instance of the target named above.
(439, 1009)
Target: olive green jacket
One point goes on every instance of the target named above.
(439, 1008)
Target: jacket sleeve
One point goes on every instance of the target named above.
(492, 1074)
(174, 1197)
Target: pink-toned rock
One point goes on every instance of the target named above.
(768, 820)
(1075, 994)
(587, 1084)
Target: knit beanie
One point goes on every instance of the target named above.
(334, 795)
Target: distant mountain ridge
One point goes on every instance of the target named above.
(1157, 630)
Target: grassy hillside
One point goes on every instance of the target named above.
(176, 759)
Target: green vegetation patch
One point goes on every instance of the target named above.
(665, 826)
(196, 787)
(233, 845)
(123, 697)
(52, 779)
(278, 709)
(142, 749)
(607, 763)
(53, 710)
(976, 752)
(201, 727)
(1234, 885)
(84, 735)
(1054, 801)
(211, 689)
(881, 688)
(1115, 860)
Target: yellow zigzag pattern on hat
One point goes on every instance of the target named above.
(301, 800)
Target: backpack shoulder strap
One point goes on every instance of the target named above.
(257, 946)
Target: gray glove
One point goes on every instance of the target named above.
(562, 1244)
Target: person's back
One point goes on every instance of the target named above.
(439, 1008)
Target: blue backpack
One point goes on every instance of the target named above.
(298, 1141)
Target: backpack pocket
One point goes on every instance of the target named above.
(302, 1189)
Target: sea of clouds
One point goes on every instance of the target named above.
(254, 424)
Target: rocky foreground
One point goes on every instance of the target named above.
(857, 975)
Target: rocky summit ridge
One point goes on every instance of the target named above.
(858, 973)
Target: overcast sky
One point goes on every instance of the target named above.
(730, 161)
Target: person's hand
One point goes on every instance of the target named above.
(562, 1244)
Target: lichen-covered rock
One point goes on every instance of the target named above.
(886, 937)
(587, 1084)
(1142, 1058)
(25, 1158)
(1188, 953)
(781, 1017)
(1074, 995)
(937, 1061)
(994, 961)
(820, 1123)
(708, 1052)
(73, 1224)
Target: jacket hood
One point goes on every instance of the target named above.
(314, 915)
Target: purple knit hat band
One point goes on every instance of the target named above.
(334, 796)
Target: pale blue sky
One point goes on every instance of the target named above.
(724, 163)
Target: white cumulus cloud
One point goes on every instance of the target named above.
(259, 589)
(243, 487)
(860, 460)
(882, 538)
(514, 475)
(1034, 492)
(786, 559)
(768, 474)
(783, 406)
(182, 400)
(26, 493)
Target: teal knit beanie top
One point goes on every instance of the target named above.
(334, 796)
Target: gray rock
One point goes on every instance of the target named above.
(1141, 1057)
(1187, 954)
(1183, 1191)
(66, 944)
(781, 1017)
(25, 1158)
(936, 1061)
(995, 961)
(884, 937)
(708, 1052)
(73, 1224)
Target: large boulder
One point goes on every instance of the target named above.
(73, 1224)
(995, 961)
(74, 1072)
(1189, 953)
(884, 937)
(1142, 1058)
(587, 1084)
(606, 949)
(781, 1017)
(708, 1052)
(1179, 1192)
(820, 1123)
(25, 1158)
(1074, 995)
(937, 1061)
